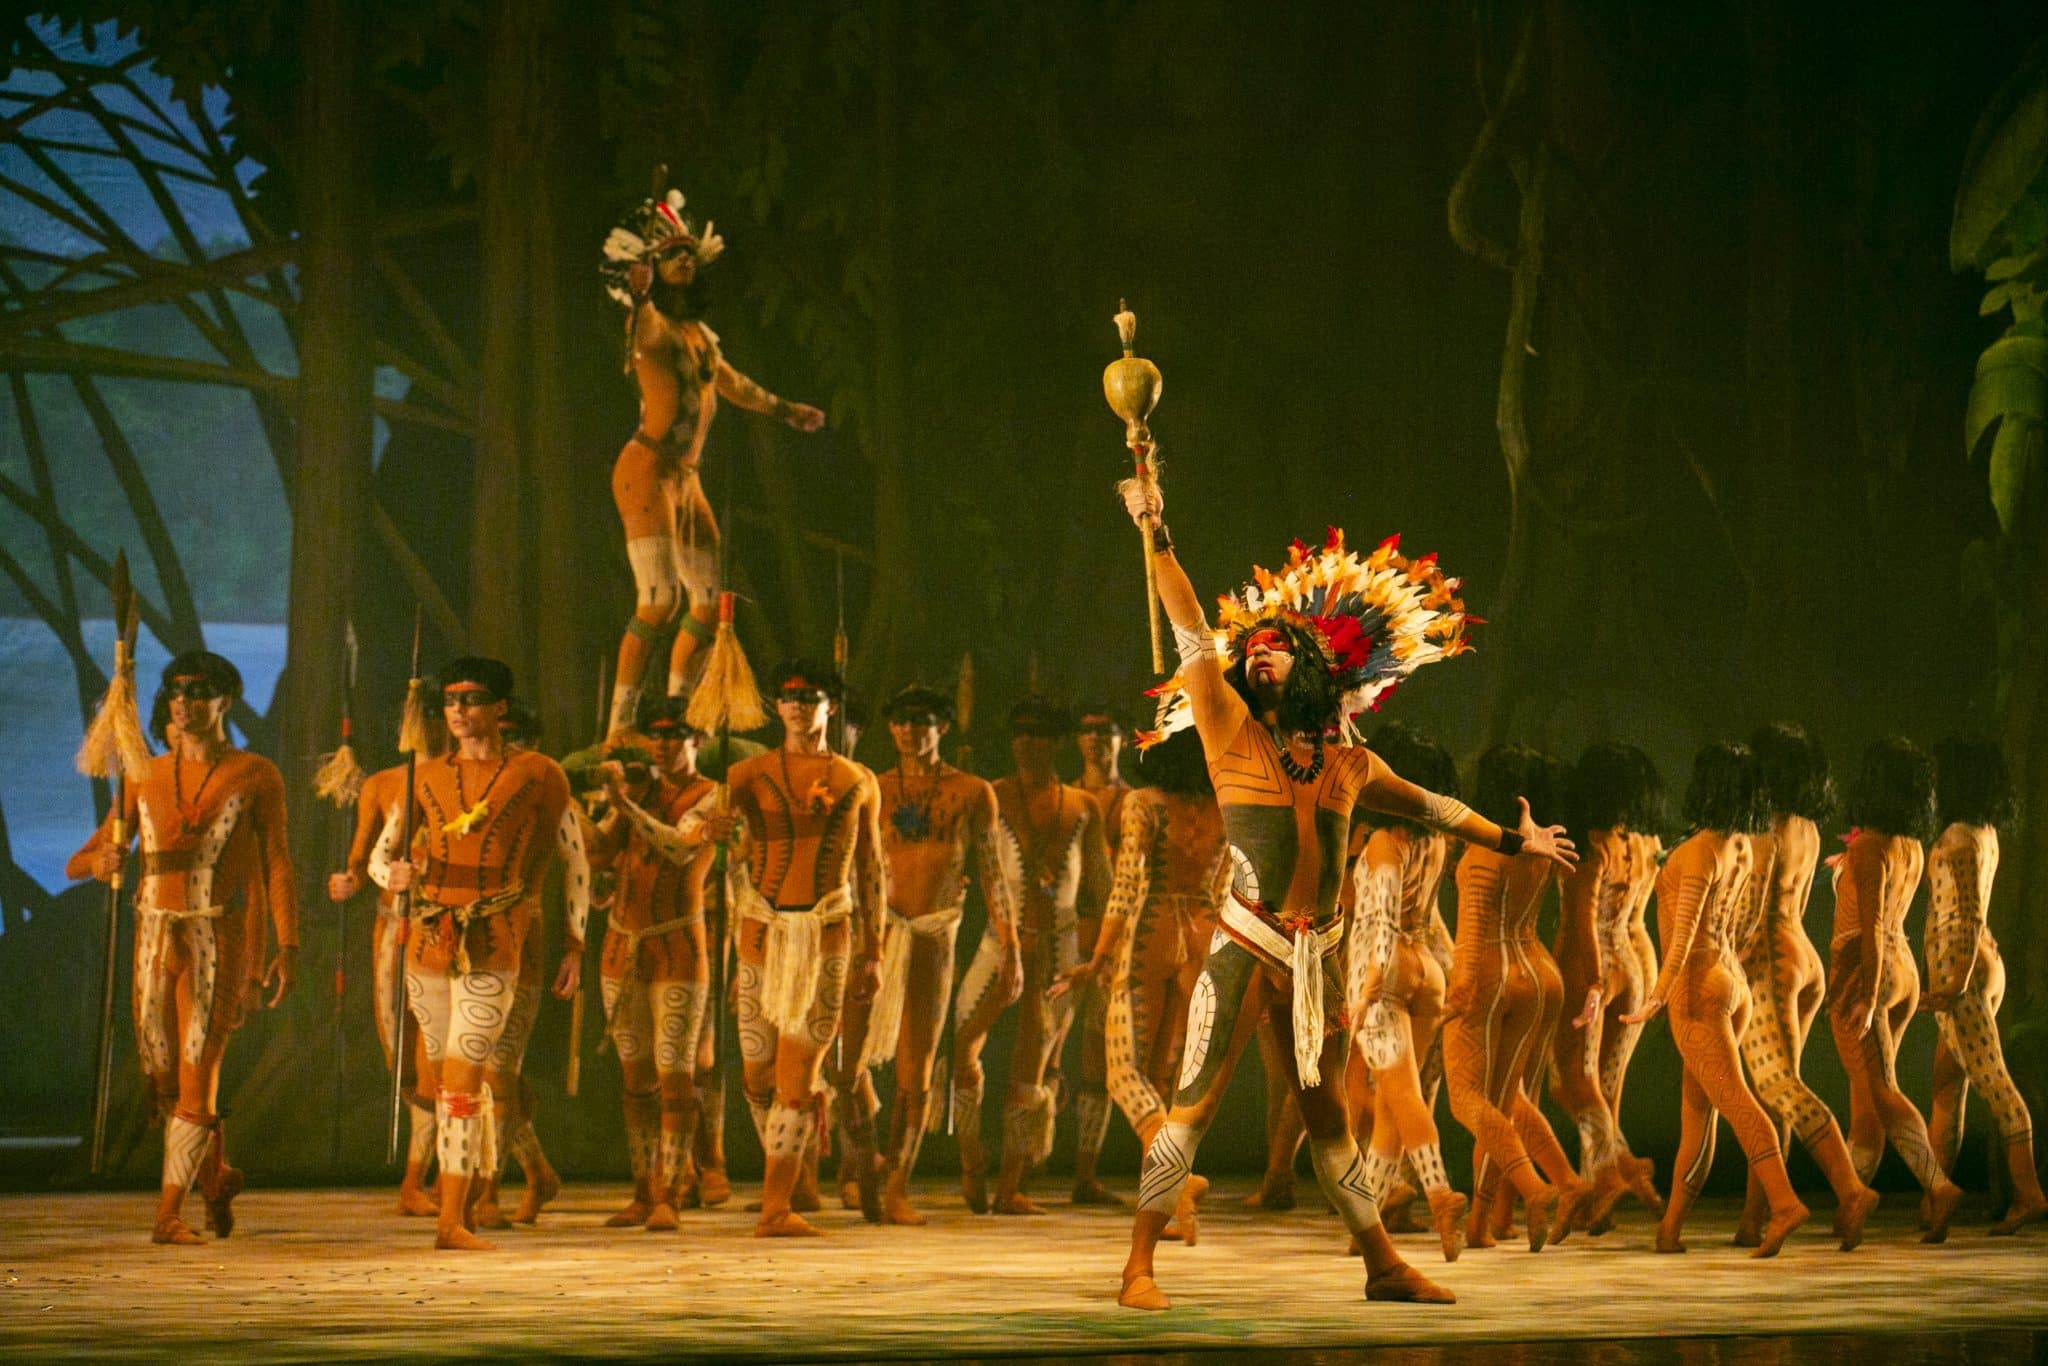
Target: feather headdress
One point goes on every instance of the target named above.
(1376, 618)
(649, 229)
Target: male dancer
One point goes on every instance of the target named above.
(934, 815)
(215, 868)
(808, 898)
(651, 264)
(491, 816)
(379, 806)
(1330, 626)
(655, 970)
(515, 1102)
(1100, 737)
(1055, 833)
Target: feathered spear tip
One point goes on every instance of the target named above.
(727, 695)
(417, 728)
(339, 778)
(114, 743)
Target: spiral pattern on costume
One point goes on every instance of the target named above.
(757, 1036)
(427, 996)
(631, 1027)
(822, 1022)
(679, 1013)
(509, 1054)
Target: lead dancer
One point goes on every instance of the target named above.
(215, 869)
(1318, 643)
(652, 261)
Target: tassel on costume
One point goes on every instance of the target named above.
(339, 779)
(727, 695)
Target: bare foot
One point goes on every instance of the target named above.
(1142, 1292)
(1941, 1207)
(1447, 1212)
(1926, 1218)
(2018, 1217)
(1187, 1211)
(1543, 1212)
(805, 1198)
(1604, 1224)
(974, 1189)
(1608, 1188)
(1275, 1193)
(172, 1231)
(1780, 1228)
(713, 1187)
(1016, 1202)
(849, 1195)
(1748, 1234)
(1668, 1241)
(897, 1209)
(867, 1191)
(790, 1225)
(1407, 1285)
(632, 1216)
(662, 1218)
(1850, 1214)
(1573, 1204)
(488, 1215)
(1641, 1175)
(414, 1202)
(1093, 1192)
(460, 1239)
(539, 1192)
(220, 1208)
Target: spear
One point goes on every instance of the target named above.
(839, 647)
(1132, 386)
(340, 780)
(114, 748)
(572, 1076)
(963, 759)
(404, 903)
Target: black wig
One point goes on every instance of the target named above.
(1972, 785)
(1726, 791)
(1794, 769)
(1894, 793)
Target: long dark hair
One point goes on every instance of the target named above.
(1726, 791)
(1310, 699)
(1177, 765)
(1972, 785)
(1411, 753)
(1614, 787)
(1506, 772)
(1894, 793)
(1794, 770)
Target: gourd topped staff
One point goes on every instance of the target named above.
(1132, 385)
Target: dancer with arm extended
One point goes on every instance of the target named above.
(1966, 975)
(1786, 982)
(1319, 643)
(1873, 982)
(1699, 906)
(216, 884)
(1396, 984)
(652, 267)
(1503, 987)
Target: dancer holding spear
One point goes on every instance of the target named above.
(216, 869)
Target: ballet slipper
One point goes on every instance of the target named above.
(460, 1239)
(1780, 1228)
(487, 1214)
(1572, 1205)
(1850, 1215)
(173, 1232)
(786, 1225)
(896, 1206)
(1543, 1208)
(1406, 1285)
(414, 1202)
(1941, 1208)
(1142, 1292)
(632, 1216)
(662, 1218)
(1187, 1210)
(714, 1188)
(220, 1209)
(1016, 1202)
(1093, 1192)
(1447, 1212)
(1275, 1193)
(2018, 1217)
(544, 1187)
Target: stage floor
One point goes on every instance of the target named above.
(314, 1275)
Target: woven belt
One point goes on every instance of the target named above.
(635, 938)
(426, 912)
(183, 912)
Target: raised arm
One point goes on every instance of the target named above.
(678, 843)
(1219, 712)
(1387, 791)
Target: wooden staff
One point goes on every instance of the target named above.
(403, 928)
(1132, 385)
(572, 1076)
(963, 759)
(114, 747)
(340, 780)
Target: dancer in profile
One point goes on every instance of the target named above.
(1699, 901)
(1966, 975)
(1786, 983)
(1873, 982)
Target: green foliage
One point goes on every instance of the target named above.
(2000, 200)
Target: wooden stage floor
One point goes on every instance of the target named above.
(316, 1275)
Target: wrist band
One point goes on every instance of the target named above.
(1162, 542)
(1510, 842)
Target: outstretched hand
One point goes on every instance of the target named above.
(804, 417)
(1076, 978)
(1592, 1010)
(1545, 841)
(1649, 1010)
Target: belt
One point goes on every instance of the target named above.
(635, 938)
(426, 912)
(183, 912)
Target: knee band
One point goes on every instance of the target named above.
(698, 629)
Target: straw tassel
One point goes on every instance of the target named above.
(1308, 1006)
(416, 734)
(114, 745)
(339, 778)
(727, 696)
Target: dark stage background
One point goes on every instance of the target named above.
(1642, 315)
